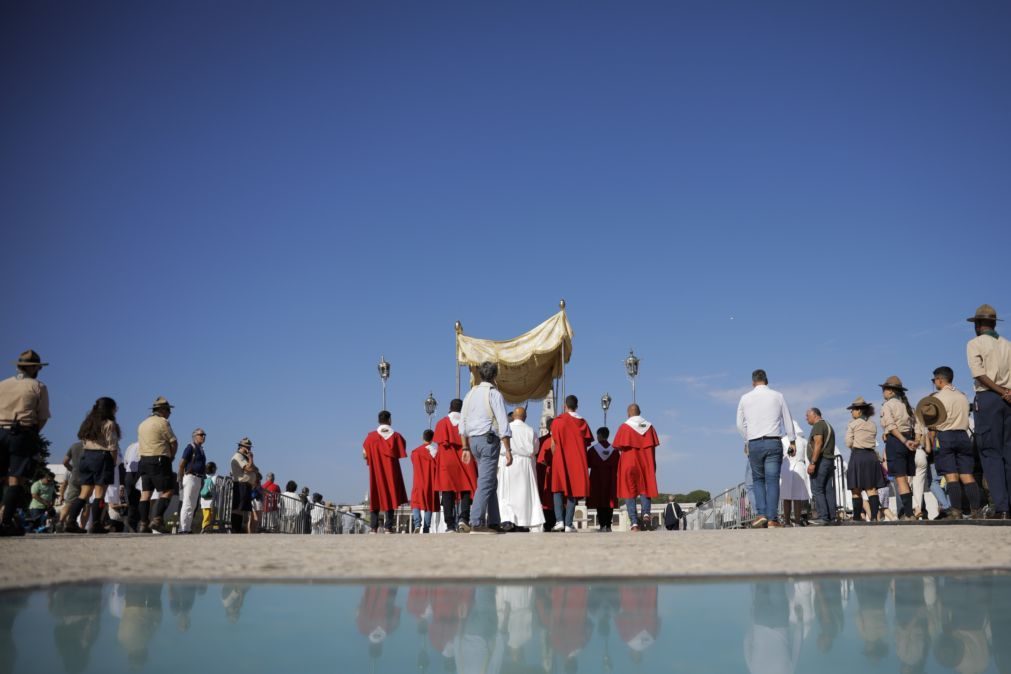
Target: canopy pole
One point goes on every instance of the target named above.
(561, 305)
(459, 328)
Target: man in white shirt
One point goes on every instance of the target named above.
(519, 502)
(763, 419)
(131, 463)
(484, 427)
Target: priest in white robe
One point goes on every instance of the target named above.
(519, 501)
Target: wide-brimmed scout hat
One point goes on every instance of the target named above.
(932, 411)
(160, 402)
(29, 358)
(985, 313)
(246, 442)
(859, 404)
(895, 383)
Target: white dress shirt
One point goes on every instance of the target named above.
(131, 458)
(476, 416)
(762, 412)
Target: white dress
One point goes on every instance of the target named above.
(794, 482)
(518, 499)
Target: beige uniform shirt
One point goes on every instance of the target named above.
(957, 407)
(895, 416)
(110, 439)
(861, 434)
(239, 463)
(25, 400)
(156, 437)
(990, 357)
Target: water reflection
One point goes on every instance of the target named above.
(906, 624)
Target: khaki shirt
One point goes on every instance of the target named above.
(990, 357)
(25, 400)
(156, 437)
(239, 462)
(895, 417)
(957, 406)
(861, 434)
(109, 441)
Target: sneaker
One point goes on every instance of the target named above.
(773, 524)
(953, 514)
(570, 530)
(418, 530)
(483, 530)
(463, 528)
(559, 526)
(635, 527)
(157, 526)
(760, 523)
(818, 523)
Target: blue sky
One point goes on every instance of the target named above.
(241, 206)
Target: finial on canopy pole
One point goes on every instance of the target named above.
(561, 304)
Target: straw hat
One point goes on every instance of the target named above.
(985, 313)
(30, 359)
(895, 383)
(246, 442)
(859, 404)
(932, 411)
(160, 402)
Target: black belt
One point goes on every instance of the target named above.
(768, 437)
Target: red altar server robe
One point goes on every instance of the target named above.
(419, 600)
(603, 476)
(450, 606)
(423, 484)
(566, 618)
(386, 483)
(378, 614)
(638, 622)
(452, 474)
(544, 472)
(637, 441)
(569, 473)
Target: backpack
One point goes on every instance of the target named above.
(207, 492)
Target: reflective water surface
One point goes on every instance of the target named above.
(903, 624)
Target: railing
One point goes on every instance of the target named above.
(282, 514)
(733, 509)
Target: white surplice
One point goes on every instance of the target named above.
(518, 499)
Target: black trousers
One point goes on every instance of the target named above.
(604, 517)
(132, 499)
(449, 508)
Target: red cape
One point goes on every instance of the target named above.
(544, 472)
(637, 464)
(418, 599)
(638, 612)
(386, 483)
(449, 605)
(566, 618)
(569, 473)
(603, 479)
(378, 609)
(452, 474)
(423, 485)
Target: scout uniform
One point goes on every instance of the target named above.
(895, 416)
(946, 413)
(242, 486)
(157, 448)
(24, 410)
(864, 471)
(989, 354)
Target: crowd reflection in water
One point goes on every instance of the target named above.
(912, 624)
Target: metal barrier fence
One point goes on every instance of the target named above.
(283, 514)
(734, 508)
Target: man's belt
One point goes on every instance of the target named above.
(767, 437)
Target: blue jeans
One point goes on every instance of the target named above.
(823, 489)
(485, 452)
(416, 514)
(749, 484)
(766, 459)
(630, 508)
(570, 508)
(938, 491)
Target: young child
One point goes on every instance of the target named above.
(603, 463)
(423, 502)
(864, 472)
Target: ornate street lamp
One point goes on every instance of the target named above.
(605, 404)
(384, 374)
(430, 404)
(632, 369)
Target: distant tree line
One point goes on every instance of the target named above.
(690, 497)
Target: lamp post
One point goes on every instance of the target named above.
(384, 374)
(632, 369)
(430, 404)
(605, 404)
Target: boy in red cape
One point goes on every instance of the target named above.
(603, 463)
(453, 478)
(544, 475)
(382, 450)
(636, 441)
(570, 476)
(423, 502)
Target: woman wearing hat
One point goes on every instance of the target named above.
(900, 448)
(864, 473)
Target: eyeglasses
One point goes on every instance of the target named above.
(201, 434)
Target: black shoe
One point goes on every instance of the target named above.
(818, 523)
(463, 528)
(73, 528)
(482, 529)
(11, 529)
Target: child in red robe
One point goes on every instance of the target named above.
(382, 450)
(423, 502)
(603, 463)
(545, 445)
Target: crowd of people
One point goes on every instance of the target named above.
(107, 489)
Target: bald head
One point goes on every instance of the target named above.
(633, 410)
(520, 414)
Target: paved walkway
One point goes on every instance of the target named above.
(44, 560)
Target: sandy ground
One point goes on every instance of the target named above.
(35, 561)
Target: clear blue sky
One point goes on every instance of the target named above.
(241, 206)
